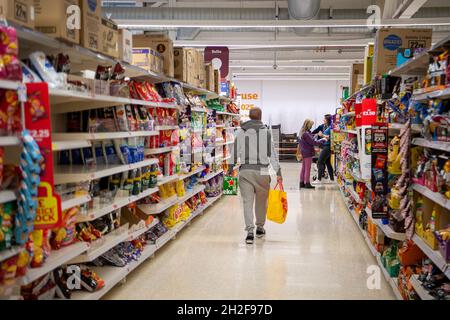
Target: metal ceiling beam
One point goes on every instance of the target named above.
(408, 8)
(341, 23)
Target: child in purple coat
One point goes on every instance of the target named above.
(305, 148)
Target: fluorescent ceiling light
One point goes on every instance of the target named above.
(269, 45)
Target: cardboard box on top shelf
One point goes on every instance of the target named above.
(141, 58)
(357, 77)
(217, 81)
(191, 69)
(389, 40)
(126, 45)
(201, 69)
(180, 64)
(109, 38)
(91, 22)
(18, 11)
(368, 63)
(160, 43)
(209, 72)
(51, 18)
(156, 62)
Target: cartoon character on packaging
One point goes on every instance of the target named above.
(37, 110)
(446, 178)
(13, 122)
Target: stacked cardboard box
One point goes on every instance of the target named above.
(148, 59)
(217, 81)
(125, 45)
(20, 12)
(109, 38)
(357, 77)
(160, 43)
(51, 18)
(209, 71)
(91, 22)
(389, 41)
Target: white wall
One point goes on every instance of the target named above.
(290, 102)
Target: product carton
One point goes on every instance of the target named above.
(18, 11)
(141, 58)
(160, 43)
(200, 66)
(368, 62)
(156, 62)
(91, 22)
(357, 77)
(51, 18)
(180, 64)
(209, 71)
(125, 45)
(191, 70)
(389, 41)
(217, 81)
(109, 38)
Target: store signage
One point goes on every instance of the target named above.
(380, 140)
(249, 101)
(220, 59)
(37, 121)
(368, 112)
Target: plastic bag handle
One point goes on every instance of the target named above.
(279, 185)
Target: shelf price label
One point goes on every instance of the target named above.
(38, 122)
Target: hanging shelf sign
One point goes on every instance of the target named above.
(37, 121)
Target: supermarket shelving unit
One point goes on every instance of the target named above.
(63, 101)
(417, 66)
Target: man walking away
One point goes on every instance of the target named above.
(254, 148)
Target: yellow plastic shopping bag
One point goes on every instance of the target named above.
(277, 207)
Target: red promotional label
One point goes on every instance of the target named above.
(219, 56)
(368, 112)
(358, 115)
(38, 122)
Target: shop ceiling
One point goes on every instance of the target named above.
(284, 39)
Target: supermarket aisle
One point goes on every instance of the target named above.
(318, 254)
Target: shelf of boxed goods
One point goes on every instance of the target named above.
(416, 66)
(136, 233)
(157, 208)
(434, 255)
(190, 174)
(416, 128)
(149, 152)
(166, 128)
(73, 174)
(76, 201)
(419, 289)
(434, 196)
(436, 94)
(64, 101)
(167, 179)
(210, 176)
(438, 145)
(113, 275)
(70, 141)
(118, 203)
(110, 275)
(81, 58)
(102, 245)
(391, 281)
(55, 259)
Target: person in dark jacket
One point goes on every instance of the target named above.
(325, 156)
(306, 149)
(323, 126)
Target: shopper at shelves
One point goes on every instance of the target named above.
(323, 126)
(306, 151)
(325, 155)
(256, 152)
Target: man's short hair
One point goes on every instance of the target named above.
(255, 114)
